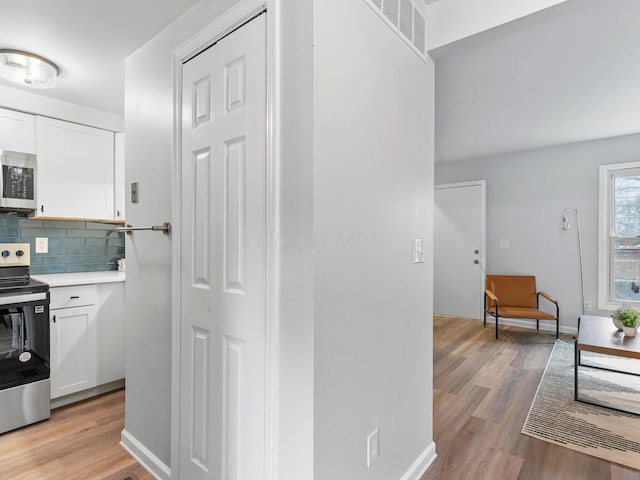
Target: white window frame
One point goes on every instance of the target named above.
(605, 226)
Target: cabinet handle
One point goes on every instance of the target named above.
(42, 208)
(74, 297)
(118, 213)
(54, 319)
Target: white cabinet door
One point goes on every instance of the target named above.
(73, 350)
(110, 319)
(119, 177)
(75, 170)
(17, 131)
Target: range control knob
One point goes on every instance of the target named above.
(19, 253)
(6, 253)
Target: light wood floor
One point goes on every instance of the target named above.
(79, 442)
(483, 389)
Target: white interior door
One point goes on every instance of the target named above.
(223, 262)
(459, 247)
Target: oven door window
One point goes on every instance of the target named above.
(13, 340)
(20, 331)
(24, 353)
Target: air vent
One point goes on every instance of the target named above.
(419, 31)
(390, 9)
(405, 19)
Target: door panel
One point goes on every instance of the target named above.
(459, 233)
(73, 350)
(223, 264)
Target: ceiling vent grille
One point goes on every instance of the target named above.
(390, 9)
(406, 20)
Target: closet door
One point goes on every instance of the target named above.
(223, 259)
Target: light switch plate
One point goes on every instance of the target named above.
(418, 250)
(134, 192)
(373, 448)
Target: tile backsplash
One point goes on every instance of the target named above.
(74, 246)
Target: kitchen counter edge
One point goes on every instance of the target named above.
(80, 278)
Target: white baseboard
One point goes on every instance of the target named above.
(148, 460)
(422, 463)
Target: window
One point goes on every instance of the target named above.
(619, 242)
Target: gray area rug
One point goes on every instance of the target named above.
(555, 417)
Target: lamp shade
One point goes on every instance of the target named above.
(27, 69)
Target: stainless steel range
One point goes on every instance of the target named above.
(24, 341)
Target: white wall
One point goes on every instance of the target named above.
(28, 102)
(294, 177)
(373, 193)
(526, 194)
(452, 20)
(149, 147)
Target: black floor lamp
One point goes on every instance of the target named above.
(566, 226)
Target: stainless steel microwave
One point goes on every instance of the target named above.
(18, 185)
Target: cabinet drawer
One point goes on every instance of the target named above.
(74, 296)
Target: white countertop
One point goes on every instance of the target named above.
(81, 278)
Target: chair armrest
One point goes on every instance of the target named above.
(491, 295)
(548, 297)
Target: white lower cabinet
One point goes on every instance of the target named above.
(110, 316)
(87, 339)
(74, 338)
(73, 350)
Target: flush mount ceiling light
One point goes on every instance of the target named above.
(27, 69)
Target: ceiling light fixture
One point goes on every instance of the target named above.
(28, 69)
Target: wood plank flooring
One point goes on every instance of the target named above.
(483, 389)
(79, 442)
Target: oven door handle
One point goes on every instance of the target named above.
(22, 298)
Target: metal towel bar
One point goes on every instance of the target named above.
(129, 229)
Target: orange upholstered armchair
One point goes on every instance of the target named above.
(515, 296)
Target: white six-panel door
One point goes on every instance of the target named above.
(223, 259)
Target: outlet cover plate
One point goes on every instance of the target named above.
(42, 245)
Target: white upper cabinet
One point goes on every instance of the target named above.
(75, 170)
(17, 131)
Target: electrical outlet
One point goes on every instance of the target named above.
(588, 307)
(373, 448)
(42, 245)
